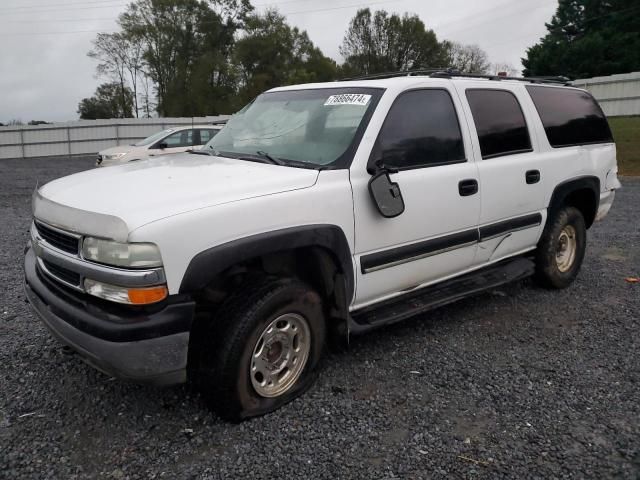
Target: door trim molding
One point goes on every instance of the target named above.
(416, 251)
(395, 256)
(497, 229)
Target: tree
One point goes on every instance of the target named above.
(107, 102)
(271, 53)
(588, 38)
(148, 104)
(120, 60)
(186, 48)
(467, 58)
(381, 42)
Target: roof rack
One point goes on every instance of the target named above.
(451, 72)
(399, 73)
(454, 73)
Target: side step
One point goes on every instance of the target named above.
(433, 296)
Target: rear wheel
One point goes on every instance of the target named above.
(561, 249)
(263, 348)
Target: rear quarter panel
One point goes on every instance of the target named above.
(558, 165)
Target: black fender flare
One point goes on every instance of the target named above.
(564, 189)
(204, 267)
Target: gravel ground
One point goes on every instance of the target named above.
(517, 383)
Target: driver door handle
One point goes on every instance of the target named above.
(468, 187)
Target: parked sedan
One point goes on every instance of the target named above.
(172, 140)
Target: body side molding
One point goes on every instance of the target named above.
(512, 225)
(207, 264)
(408, 253)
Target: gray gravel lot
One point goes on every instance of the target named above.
(516, 383)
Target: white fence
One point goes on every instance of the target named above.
(618, 95)
(85, 136)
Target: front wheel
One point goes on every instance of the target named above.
(263, 348)
(561, 249)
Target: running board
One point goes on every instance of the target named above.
(433, 296)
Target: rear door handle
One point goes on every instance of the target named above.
(532, 176)
(467, 187)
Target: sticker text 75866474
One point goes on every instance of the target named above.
(360, 99)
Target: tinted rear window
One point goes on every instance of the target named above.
(499, 121)
(570, 117)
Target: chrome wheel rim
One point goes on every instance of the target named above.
(280, 355)
(566, 248)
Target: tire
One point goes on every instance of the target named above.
(561, 249)
(233, 380)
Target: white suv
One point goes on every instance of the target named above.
(172, 140)
(319, 211)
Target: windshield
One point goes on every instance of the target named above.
(153, 138)
(314, 127)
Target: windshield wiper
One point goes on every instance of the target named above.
(262, 157)
(274, 160)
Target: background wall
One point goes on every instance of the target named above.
(85, 136)
(618, 95)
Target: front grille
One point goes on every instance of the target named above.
(55, 238)
(62, 273)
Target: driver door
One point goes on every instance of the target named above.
(436, 236)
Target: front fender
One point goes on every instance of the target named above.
(206, 265)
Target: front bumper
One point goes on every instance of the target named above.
(140, 346)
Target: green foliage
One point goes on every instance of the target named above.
(109, 101)
(380, 42)
(626, 133)
(588, 38)
(272, 54)
(189, 50)
(187, 46)
(120, 60)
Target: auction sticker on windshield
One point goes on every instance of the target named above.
(360, 99)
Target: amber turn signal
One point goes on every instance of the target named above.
(145, 296)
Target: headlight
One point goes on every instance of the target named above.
(129, 255)
(114, 156)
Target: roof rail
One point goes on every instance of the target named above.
(552, 80)
(451, 72)
(399, 73)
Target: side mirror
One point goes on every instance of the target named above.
(386, 195)
(162, 145)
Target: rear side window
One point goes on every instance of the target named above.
(421, 130)
(570, 117)
(502, 129)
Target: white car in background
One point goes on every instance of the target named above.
(172, 140)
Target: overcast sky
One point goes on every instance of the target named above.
(43, 43)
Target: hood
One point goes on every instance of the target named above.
(138, 193)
